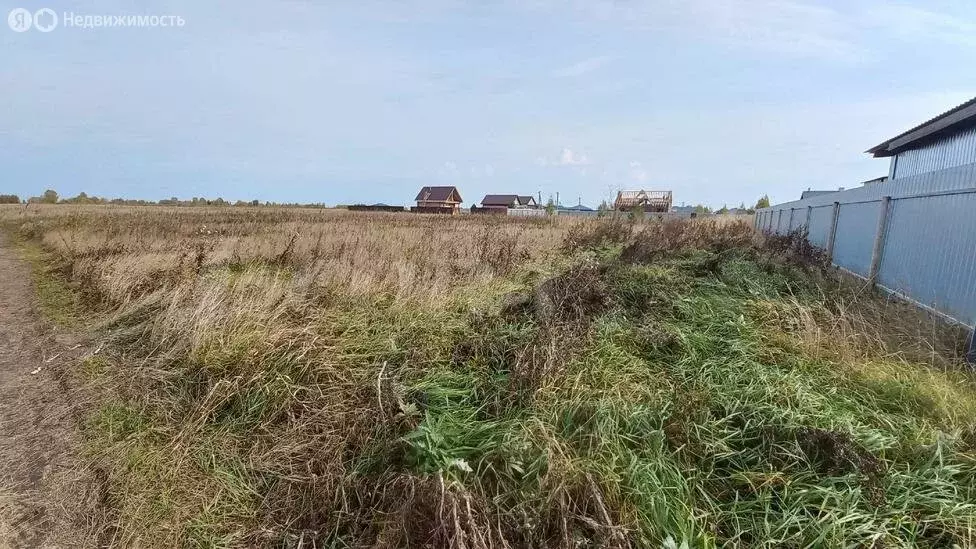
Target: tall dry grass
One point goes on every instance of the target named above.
(295, 378)
(128, 252)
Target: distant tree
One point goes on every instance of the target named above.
(603, 209)
(550, 207)
(50, 197)
(700, 209)
(723, 210)
(9, 199)
(763, 202)
(82, 198)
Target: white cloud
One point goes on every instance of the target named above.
(486, 170)
(568, 158)
(448, 169)
(847, 32)
(785, 27)
(914, 24)
(587, 65)
(637, 172)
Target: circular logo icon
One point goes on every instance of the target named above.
(20, 20)
(45, 20)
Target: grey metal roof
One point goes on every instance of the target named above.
(577, 208)
(953, 119)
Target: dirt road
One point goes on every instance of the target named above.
(37, 427)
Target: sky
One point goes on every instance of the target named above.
(720, 101)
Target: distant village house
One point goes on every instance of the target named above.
(446, 200)
(648, 201)
(501, 203)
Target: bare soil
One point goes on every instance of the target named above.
(38, 425)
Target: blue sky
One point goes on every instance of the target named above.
(720, 101)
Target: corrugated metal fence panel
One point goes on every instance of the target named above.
(857, 225)
(820, 220)
(960, 177)
(929, 256)
(795, 219)
(527, 212)
(929, 253)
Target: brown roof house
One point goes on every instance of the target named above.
(438, 200)
(648, 201)
(501, 203)
(508, 201)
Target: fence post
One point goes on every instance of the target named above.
(806, 224)
(879, 239)
(832, 237)
(789, 228)
(779, 221)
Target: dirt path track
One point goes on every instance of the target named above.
(36, 422)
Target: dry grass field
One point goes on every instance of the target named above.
(132, 251)
(312, 378)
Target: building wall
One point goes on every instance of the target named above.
(434, 210)
(436, 204)
(951, 151)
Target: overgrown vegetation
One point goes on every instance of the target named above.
(290, 379)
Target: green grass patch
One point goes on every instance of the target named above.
(58, 301)
(116, 422)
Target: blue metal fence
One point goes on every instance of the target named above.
(915, 237)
